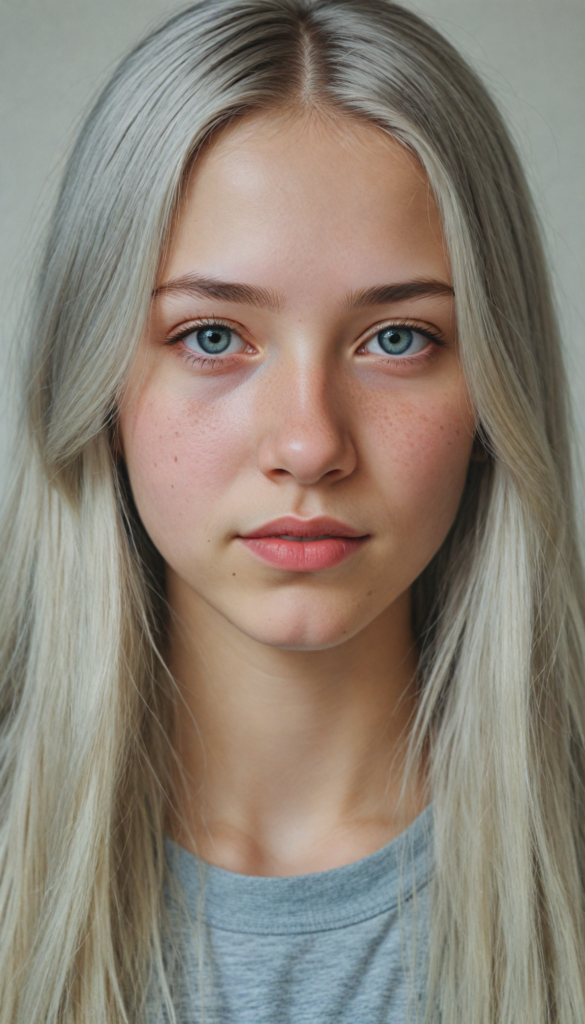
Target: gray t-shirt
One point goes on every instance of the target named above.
(336, 947)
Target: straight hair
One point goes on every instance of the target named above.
(86, 702)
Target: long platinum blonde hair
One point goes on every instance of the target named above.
(86, 704)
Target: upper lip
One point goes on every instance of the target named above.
(320, 526)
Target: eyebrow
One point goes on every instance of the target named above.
(251, 295)
(382, 294)
(211, 288)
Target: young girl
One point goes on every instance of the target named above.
(291, 606)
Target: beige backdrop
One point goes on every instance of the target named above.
(55, 54)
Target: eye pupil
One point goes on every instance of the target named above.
(395, 340)
(213, 339)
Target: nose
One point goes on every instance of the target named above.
(306, 431)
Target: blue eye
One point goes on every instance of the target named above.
(397, 341)
(212, 340)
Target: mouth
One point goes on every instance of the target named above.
(304, 545)
(303, 540)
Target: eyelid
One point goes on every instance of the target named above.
(206, 321)
(432, 333)
(425, 330)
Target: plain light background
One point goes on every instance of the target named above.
(55, 55)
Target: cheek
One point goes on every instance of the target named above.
(422, 449)
(182, 459)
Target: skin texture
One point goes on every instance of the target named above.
(297, 687)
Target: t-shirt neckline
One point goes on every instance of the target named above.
(320, 901)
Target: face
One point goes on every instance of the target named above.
(296, 426)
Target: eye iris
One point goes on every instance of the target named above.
(395, 340)
(213, 339)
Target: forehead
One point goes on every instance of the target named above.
(299, 192)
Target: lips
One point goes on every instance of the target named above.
(304, 545)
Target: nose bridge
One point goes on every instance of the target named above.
(311, 393)
(307, 436)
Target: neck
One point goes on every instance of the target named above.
(291, 761)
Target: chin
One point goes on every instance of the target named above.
(303, 632)
(309, 641)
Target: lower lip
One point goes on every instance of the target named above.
(305, 555)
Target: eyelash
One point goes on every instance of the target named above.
(202, 360)
(411, 325)
(211, 361)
